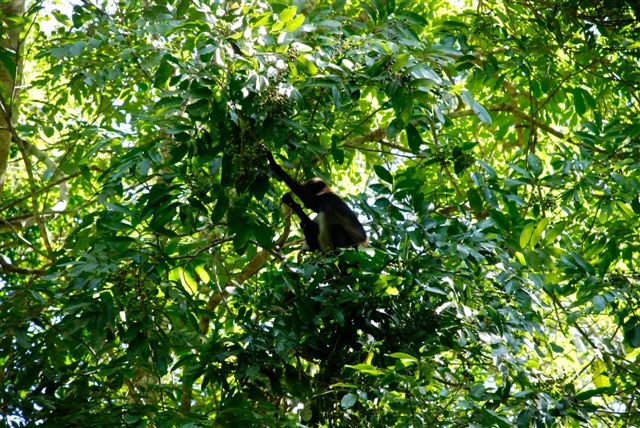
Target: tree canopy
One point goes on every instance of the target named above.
(151, 276)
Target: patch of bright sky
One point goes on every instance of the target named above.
(461, 3)
(48, 24)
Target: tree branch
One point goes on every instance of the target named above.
(9, 268)
(543, 126)
(249, 270)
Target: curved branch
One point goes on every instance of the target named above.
(249, 270)
(34, 200)
(31, 149)
(9, 268)
(26, 149)
(22, 238)
(543, 126)
(43, 189)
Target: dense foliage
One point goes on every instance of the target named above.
(149, 274)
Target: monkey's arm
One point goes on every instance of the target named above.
(310, 228)
(308, 199)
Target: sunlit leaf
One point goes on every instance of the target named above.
(536, 236)
(295, 23)
(287, 14)
(367, 369)
(535, 164)
(348, 400)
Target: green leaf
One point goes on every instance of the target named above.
(203, 274)
(337, 155)
(400, 61)
(500, 219)
(478, 109)
(599, 303)
(77, 48)
(7, 59)
(183, 7)
(241, 239)
(605, 262)
(551, 235)
(481, 112)
(402, 102)
(525, 235)
(369, 10)
(536, 236)
(585, 395)
(413, 138)
(367, 369)
(535, 164)
(263, 234)
(556, 348)
(220, 209)
(295, 23)
(475, 200)
(59, 52)
(287, 14)
(348, 400)
(379, 5)
(187, 280)
(404, 357)
(580, 261)
(524, 418)
(383, 174)
(307, 64)
(578, 101)
(632, 332)
(132, 418)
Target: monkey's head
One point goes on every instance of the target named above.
(316, 186)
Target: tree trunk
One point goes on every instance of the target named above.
(10, 72)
